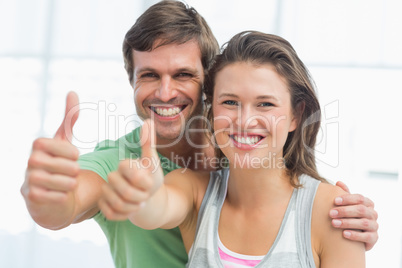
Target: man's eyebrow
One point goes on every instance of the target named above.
(188, 70)
(180, 70)
(144, 69)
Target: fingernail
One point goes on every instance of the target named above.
(333, 213)
(142, 205)
(336, 223)
(347, 234)
(338, 200)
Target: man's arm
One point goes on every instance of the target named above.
(57, 193)
(356, 215)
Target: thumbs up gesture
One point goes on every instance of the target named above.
(135, 181)
(52, 167)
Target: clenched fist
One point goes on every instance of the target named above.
(51, 172)
(135, 181)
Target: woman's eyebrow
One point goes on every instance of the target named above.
(263, 97)
(228, 95)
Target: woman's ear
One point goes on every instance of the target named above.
(297, 115)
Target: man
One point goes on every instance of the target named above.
(167, 53)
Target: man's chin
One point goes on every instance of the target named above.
(169, 133)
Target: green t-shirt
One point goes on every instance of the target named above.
(130, 245)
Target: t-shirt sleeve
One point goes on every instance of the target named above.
(108, 154)
(102, 161)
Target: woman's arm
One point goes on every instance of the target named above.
(138, 191)
(171, 204)
(330, 248)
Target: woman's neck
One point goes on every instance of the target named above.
(258, 187)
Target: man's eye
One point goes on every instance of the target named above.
(230, 102)
(184, 75)
(148, 75)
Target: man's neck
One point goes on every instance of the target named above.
(192, 151)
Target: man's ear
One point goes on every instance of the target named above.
(297, 115)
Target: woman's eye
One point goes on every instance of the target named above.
(265, 104)
(230, 102)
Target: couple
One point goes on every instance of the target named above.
(167, 53)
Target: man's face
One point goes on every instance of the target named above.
(167, 86)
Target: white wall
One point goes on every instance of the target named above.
(49, 47)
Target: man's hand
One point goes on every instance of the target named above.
(52, 169)
(135, 181)
(356, 215)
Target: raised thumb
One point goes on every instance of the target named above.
(148, 140)
(65, 131)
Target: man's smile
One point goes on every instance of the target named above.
(167, 110)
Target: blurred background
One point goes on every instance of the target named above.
(49, 47)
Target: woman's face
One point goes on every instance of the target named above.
(252, 113)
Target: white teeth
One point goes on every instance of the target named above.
(247, 140)
(167, 112)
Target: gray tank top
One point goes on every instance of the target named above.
(292, 246)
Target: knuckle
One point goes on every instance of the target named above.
(71, 184)
(32, 195)
(369, 236)
(356, 235)
(23, 190)
(34, 160)
(376, 226)
(127, 194)
(360, 199)
(137, 207)
(113, 177)
(75, 169)
(343, 224)
(35, 177)
(375, 214)
(366, 224)
(107, 212)
(75, 153)
(138, 177)
(361, 210)
(369, 202)
(105, 189)
(62, 198)
(376, 237)
(117, 204)
(144, 196)
(38, 144)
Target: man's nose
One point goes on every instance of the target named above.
(167, 89)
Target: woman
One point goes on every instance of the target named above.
(268, 207)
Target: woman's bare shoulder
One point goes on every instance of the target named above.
(324, 201)
(327, 242)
